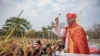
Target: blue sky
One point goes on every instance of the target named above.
(41, 12)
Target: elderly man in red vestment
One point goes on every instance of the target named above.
(74, 35)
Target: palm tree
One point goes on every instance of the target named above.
(44, 29)
(49, 31)
(22, 25)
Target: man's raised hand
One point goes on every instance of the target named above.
(57, 21)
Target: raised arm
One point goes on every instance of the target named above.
(56, 29)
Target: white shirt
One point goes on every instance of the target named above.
(61, 33)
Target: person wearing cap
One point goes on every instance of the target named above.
(74, 35)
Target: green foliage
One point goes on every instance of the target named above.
(22, 25)
(30, 33)
(94, 32)
(2, 32)
(38, 34)
(44, 29)
(49, 27)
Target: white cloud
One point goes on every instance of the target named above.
(22, 6)
(5, 2)
(83, 4)
(42, 3)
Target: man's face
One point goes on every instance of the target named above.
(70, 21)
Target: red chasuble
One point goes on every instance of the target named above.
(77, 41)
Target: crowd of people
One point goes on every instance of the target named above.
(32, 48)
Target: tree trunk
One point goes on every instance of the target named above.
(43, 35)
